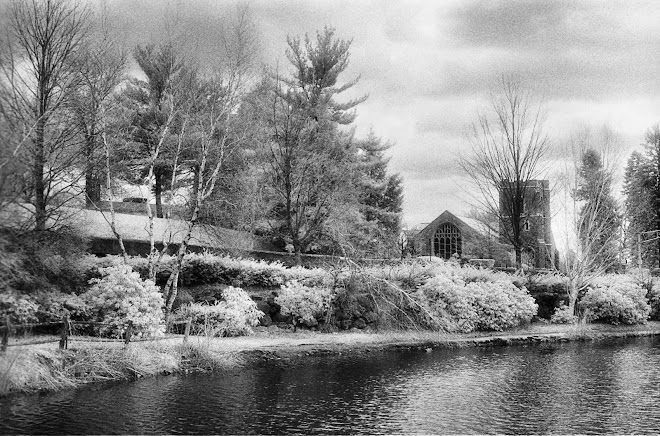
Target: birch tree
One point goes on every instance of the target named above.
(589, 208)
(213, 98)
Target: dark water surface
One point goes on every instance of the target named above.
(595, 387)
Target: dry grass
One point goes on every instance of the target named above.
(28, 369)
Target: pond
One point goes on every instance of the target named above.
(610, 386)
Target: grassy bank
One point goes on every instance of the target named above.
(44, 367)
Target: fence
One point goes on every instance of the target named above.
(67, 328)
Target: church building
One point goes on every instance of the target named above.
(452, 235)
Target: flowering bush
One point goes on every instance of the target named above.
(121, 296)
(450, 306)
(616, 299)
(501, 305)
(305, 304)
(234, 316)
(478, 305)
(563, 315)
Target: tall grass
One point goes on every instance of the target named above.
(31, 370)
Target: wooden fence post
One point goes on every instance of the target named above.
(64, 338)
(129, 333)
(186, 332)
(5, 334)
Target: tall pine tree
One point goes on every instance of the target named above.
(380, 198)
(309, 157)
(599, 220)
(642, 205)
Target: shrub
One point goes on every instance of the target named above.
(234, 316)
(616, 299)
(654, 301)
(549, 282)
(200, 269)
(45, 306)
(22, 309)
(122, 296)
(563, 315)
(450, 307)
(479, 305)
(303, 303)
(501, 305)
(34, 261)
(52, 306)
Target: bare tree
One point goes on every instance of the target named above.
(100, 67)
(508, 146)
(592, 232)
(45, 39)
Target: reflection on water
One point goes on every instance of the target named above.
(601, 387)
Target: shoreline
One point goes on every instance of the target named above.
(423, 340)
(37, 368)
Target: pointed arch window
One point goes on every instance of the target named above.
(447, 241)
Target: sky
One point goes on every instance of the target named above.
(428, 67)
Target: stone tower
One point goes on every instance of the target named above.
(536, 226)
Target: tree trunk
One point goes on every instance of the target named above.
(572, 291)
(518, 251)
(38, 177)
(171, 287)
(108, 185)
(92, 181)
(92, 188)
(158, 192)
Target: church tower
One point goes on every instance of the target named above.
(536, 228)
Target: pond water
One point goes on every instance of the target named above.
(590, 387)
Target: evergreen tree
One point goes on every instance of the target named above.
(310, 160)
(152, 103)
(381, 197)
(642, 205)
(600, 220)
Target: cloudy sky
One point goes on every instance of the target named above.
(428, 65)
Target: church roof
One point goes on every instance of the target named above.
(473, 224)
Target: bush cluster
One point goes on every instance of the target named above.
(121, 296)
(563, 315)
(616, 299)
(303, 303)
(549, 283)
(233, 316)
(457, 305)
(205, 268)
(42, 306)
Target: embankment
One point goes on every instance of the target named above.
(44, 368)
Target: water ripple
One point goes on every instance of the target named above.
(607, 387)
